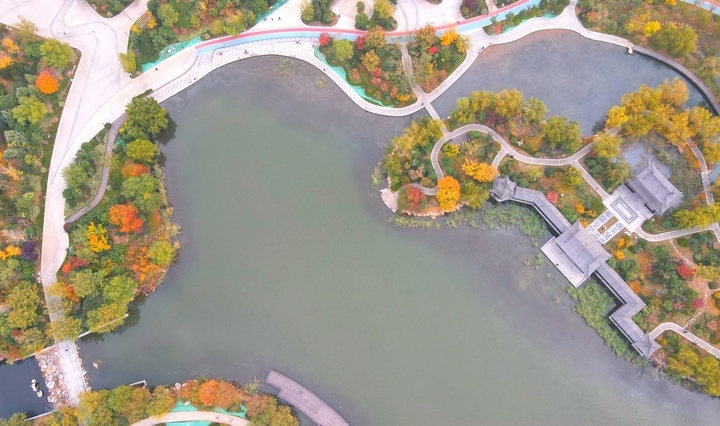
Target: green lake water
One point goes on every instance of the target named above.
(289, 263)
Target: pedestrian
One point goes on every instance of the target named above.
(156, 69)
(279, 18)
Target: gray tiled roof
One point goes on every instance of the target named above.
(503, 188)
(584, 250)
(659, 194)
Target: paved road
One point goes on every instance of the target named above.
(109, 141)
(671, 326)
(193, 416)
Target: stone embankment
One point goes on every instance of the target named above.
(54, 379)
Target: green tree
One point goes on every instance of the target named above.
(120, 290)
(56, 53)
(678, 41)
(31, 340)
(27, 31)
(474, 194)
(29, 110)
(144, 117)
(17, 419)
(308, 13)
(168, 15)
(129, 402)
(607, 146)
(425, 37)
(573, 178)
(87, 283)
(142, 151)
(23, 303)
(534, 173)
(67, 328)
(382, 9)
(143, 191)
(463, 112)
(107, 317)
(508, 103)
(343, 50)
(559, 133)
(75, 176)
(162, 253)
(128, 61)
(682, 364)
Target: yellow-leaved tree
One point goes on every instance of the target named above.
(97, 238)
(448, 193)
(479, 171)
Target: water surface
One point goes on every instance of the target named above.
(289, 263)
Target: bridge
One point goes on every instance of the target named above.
(304, 400)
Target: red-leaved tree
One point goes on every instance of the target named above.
(685, 271)
(324, 39)
(125, 217)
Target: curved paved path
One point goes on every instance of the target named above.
(671, 326)
(193, 416)
(109, 141)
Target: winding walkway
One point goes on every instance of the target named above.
(109, 141)
(671, 326)
(193, 416)
(304, 400)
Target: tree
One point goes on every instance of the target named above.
(508, 103)
(208, 393)
(120, 289)
(704, 124)
(56, 53)
(559, 133)
(97, 238)
(474, 194)
(29, 110)
(370, 60)
(142, 151)
(93, 409)
(651, 28)
(163, 400)
(463, 113)
(125, 217)
(616, 117)
(87, 283)
(362, 22)
(677, 41)
(448, 193)
(382, 9)
(479, 171)
(168, 15)
(375, 38)
(308, 13)
(128, 62)
(324, 39)
(23, 303)
(682, 363)
(66, 328)
(573, 178)
(162, 253)
(143, 191)
(607, 146)
(343, 50)
(27, 31)
(534, 173)
(106, 318)
(425, 37)
(47, 83)
(283, 416)
(144, 117)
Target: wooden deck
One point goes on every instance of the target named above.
(304, 401)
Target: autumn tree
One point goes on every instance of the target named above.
(607, 146)
(411, 198)
(508, 103)
(448, 193)
(97, 238)
(163, 400)
(371, 60)
(129, 402)
(425, 37)
(226, 395)
(208, 392)
(616, 117)
(56, 53)
(93, 409)
(449, 37)
(47, 83)
(145, 117)
(572, 178)
(479, 171)
(125, 217)
(375, 38)
(86, 282)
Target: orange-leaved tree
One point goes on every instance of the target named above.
(134, 170)
(47, 83)
(208, 393)
(448, 193)
(125, 217)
